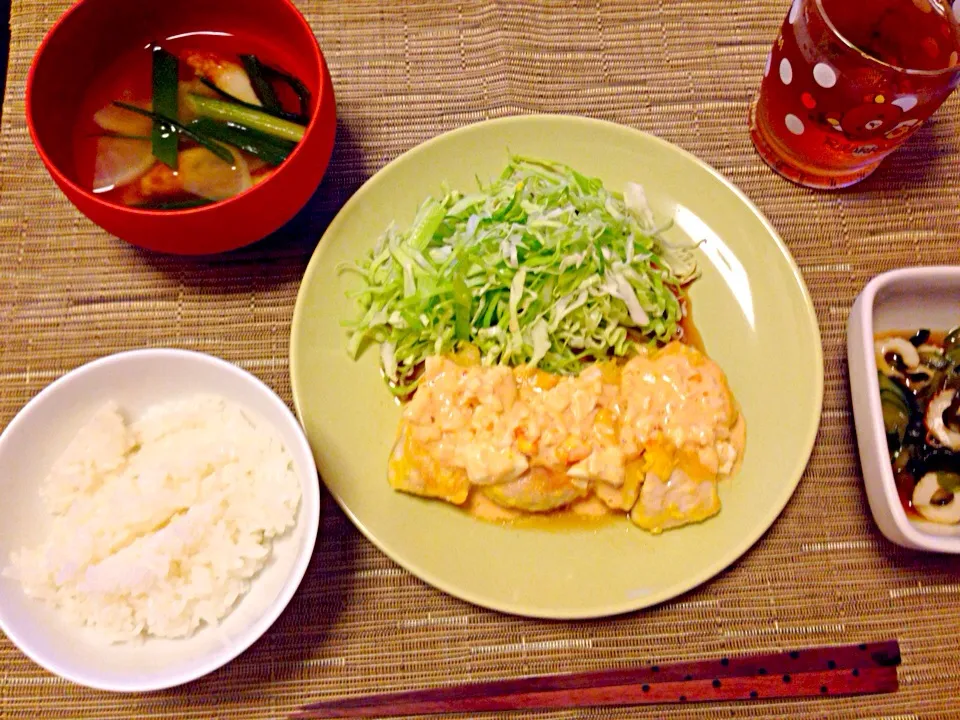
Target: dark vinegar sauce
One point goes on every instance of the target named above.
(903, 479)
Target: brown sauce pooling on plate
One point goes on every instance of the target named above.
(691, 336)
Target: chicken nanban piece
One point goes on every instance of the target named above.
(650, 438)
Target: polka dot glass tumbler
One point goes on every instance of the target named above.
(848, 81)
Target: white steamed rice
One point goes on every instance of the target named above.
(160, 526)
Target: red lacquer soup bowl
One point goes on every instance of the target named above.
(96, 37)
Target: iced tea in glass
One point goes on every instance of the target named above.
(848, 81)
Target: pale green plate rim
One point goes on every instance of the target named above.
(737, 550)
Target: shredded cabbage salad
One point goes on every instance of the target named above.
(542, 266)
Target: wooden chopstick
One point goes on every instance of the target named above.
(825, 671)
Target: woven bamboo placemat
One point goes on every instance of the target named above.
(404, 72)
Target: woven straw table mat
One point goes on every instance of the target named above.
(405, 72)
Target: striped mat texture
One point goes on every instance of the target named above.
(405, 72)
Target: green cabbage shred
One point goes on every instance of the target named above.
(543, 266)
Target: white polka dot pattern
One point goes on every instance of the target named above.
(795, 11)
(794, 124)
(906, 103)
(786, 71)
(824, 75)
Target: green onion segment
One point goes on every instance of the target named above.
(165, 140)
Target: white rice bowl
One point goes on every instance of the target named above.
(249, 597)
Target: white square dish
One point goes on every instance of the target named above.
(906, 299)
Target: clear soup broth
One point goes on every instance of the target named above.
(225, 134)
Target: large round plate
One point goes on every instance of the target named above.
(751, 307)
